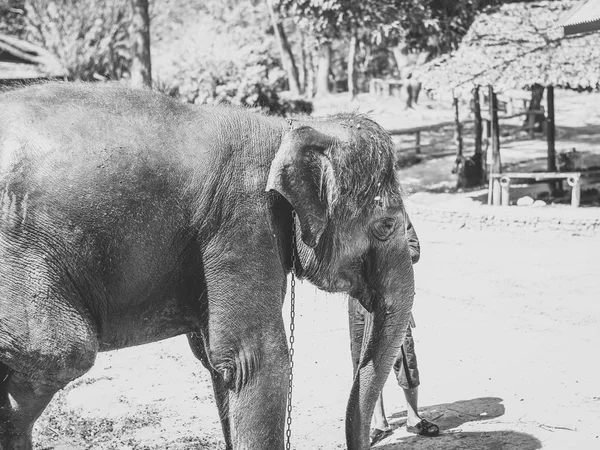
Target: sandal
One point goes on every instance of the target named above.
(424, 428)
(378, 435)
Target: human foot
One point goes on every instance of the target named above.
(378, 435)
(423, 428)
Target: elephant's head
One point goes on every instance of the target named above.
(338, 175)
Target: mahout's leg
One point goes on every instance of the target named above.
(219, 388)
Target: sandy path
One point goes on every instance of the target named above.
(507, 338)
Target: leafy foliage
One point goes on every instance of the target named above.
(90, 38)
(433, 25)
(221, 55)
(334, 19)
(11, 17)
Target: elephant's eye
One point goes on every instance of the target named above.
(384, 228)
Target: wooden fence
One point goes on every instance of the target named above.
(417, 132)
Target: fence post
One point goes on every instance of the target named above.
(531, 124)
(505, 184)
(555, 187)
(478, 129)
(418, 142)
(494, 161)
(575, 183)
(457, 129)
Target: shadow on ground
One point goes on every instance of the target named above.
(453, 415)
(492, 440)
(450, 416)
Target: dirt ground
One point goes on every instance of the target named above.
(508, 328)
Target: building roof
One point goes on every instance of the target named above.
(20, 60)
(515, 46)
(583, 18)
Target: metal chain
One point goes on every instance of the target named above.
(292, 316)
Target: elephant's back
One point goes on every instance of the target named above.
(87, 167)
(87, 138)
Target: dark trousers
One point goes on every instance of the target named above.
(405, 366)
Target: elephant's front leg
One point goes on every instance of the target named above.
(247, 347)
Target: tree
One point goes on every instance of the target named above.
(323, 69)
(287, 57)
(340, 19)
(141, 67)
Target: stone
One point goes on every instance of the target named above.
(525, 201)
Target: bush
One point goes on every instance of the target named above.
(222, 56)
(255, 86)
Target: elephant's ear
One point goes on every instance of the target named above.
(303, 174)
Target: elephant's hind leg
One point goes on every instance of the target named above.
(43, 357)
(25, 394)
(21, 403)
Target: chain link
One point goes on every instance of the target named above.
(292, 326)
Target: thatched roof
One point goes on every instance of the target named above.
(515, 46)
(582, 18)
(20, 60)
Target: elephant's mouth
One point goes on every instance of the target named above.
(364, 297)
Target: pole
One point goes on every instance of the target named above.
(478, 136)
(551, 133)
(457, 130)
(555, 187)
(418, 142)
(490, 151)
(493, 159)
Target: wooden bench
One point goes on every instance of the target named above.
(573, 179)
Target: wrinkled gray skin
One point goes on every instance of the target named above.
(127, 217)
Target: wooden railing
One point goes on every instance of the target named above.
(417, 132)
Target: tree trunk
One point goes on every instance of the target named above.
(535, 120)
(303, 69)
(141, 67)
(323, 69)
(352, 91)
(287, 57)
(310, 71)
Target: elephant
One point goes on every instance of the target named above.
(128, 217)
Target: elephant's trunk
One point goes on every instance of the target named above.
(384, 333)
